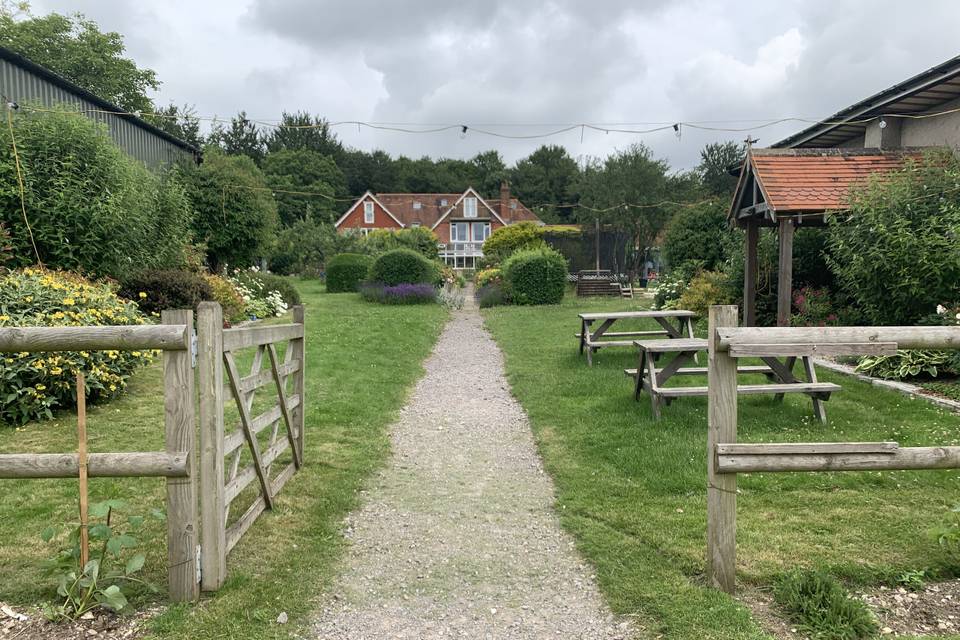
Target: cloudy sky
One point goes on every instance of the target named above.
(526, 67)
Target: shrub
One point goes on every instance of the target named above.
(33, 384)
(505, 241)
(696, 233)
(821, 607)
(266, 282)
(91, 207)
(155, 291)
(705, 289)
(488, 276)
(225, 293)
(898, 252)
(261, 300)
(491, 295)
(346, 271)
(813, 308)
(419, 239)
(535, 276)
(299, 249)
(404, 293)
(403, 266)
(671, 285)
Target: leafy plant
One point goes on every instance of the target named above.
(535, 276)
(696, 234)
(488, 276)
(155, 291)
(451, 296)
(906, 363)
(419, 239)
(405, 293)
(670, 286)
(913, 580)
(821, 608)
(33, 384)
(505, 241)
(226, 293)
(112, 567)
(403, 266)
(346, 271)
(705, 289)
(947, 534)
(813, 308)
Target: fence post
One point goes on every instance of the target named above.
(721, 428)
(178, 383)
(299, 414)
(213, 543)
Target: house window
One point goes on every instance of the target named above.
(365, 232)
(368, 212)
(416, 206)
(414, 225)
(469, 207)
(513, 204)
(481, 231)
(459, 232)
(443, 202)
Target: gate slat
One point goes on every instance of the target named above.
(248, 432)
(282, 395)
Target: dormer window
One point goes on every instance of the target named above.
(469, 207)
(513, 204)
(416, 206)
(443, 202)
(368, 212)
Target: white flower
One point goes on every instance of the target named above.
(941, 309)
(958, 316)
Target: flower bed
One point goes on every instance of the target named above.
(399, 294)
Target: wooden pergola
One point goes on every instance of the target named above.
(790, 188)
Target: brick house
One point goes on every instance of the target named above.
(462, 221)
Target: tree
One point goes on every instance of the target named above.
(74, 47)
(242, 138)
(628, 189)
(548, 176)
(300, 130)
(488, 172)
(716, 160)
(696, 233)
(304, 171)
(236, 215)
(375, 171)
(181, 122)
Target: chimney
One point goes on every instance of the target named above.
(504, 208)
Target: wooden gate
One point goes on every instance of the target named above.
(264, 448)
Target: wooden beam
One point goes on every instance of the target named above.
(785, 273)
(794, 448)
(171, 337)
(99, 465)
(903, 337)
(750, 274)
(782, 349)
(212, 505)
(899, 459)
(243, 337)
(722, 427)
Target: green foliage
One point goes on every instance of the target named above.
(821, 607)
(264, 295)
(112, 567)
(898, 252)
(714, 169)
(906, 363)
(535, 276)
(181, 122)
(156, 291)
(241, 138)
(33, 384)
(488, 276)
(705, 289)
(947, 534)
(236, 216)
(491, 295)
(914, 580)
(226, 294)
(268, 282)
(403, 266)
(304, 172)
(346, 271)
(300, 248)
(697, 233)
(813, 308)
(303, 132)
(419, 239)
(548, 176)
(670, 286)
(91, 207)
(75, 48)
(505, 241)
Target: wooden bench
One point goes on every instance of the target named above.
(651, 378)
(592, 340)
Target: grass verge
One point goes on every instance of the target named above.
(632, 491)
(361, 361)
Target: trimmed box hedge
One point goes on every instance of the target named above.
(403, 266)
(346, 271)
(535, 276)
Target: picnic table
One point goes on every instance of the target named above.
(648, 376)
(674, 323)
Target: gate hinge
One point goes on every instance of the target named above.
(193, 348)
(199, 571)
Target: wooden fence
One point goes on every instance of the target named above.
(726, 457)
(198, 540)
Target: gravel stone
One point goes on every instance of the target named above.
(457, 536)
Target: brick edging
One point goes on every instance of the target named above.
(903, 387)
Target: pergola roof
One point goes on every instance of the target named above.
(783, 182)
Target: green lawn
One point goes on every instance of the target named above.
(632, 491)
(361, 361)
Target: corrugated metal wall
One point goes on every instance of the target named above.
(23, 86)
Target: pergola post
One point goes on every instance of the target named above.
(750, 274)
(785, 273)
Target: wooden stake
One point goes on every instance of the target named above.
(82, 459)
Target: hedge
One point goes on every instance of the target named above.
(535, 276)
(403, 266)
(155, 291)
(346, 271)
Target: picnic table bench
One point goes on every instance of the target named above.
(674, 323)
(649, 377)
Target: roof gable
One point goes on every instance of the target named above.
(466, 193)
(363, 198)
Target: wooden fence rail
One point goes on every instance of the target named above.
(726, 457)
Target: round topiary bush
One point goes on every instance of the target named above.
(535, 276)
(403, 266)
(346, 271)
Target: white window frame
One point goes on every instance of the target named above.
(368, 212)
(485, 226)
(364, 231)
(470, 207)
(417, 206)
(456, 237)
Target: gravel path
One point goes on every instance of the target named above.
(457, 536)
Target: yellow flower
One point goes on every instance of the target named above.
(68, 302)
(4, 318)
(143, 294)
(40, 387)
(56, 371)
(113, 387)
